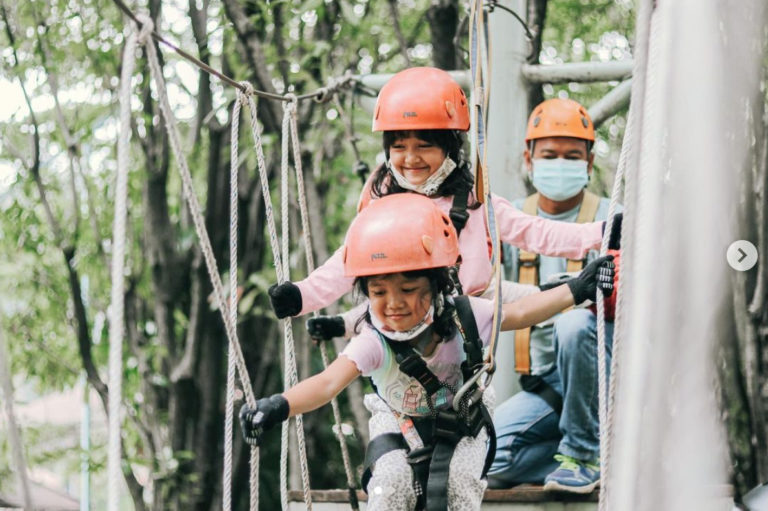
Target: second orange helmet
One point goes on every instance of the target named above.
(560, 118)
(421, 98)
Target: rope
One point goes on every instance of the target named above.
(282, 276)
(13, 428)
(230, 392)
(310, 259)
(628, 166)
(480, 67)
(606, 404)
(117, 308)
(318, 94)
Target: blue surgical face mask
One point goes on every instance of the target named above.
(559, 179)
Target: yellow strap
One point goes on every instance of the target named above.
(528, 265)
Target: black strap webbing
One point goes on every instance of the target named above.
(473, 345)
(458, 213)
(414, 366)
(378, 447)
(437, 483)
(537, 385)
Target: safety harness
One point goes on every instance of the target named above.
(438, 434)
(528, 264)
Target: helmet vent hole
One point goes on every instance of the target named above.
(446, 233)
(536, 121)
(585, 122)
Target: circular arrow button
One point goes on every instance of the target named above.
(741, 255)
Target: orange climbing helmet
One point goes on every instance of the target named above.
(421, 98)
(560, 118)
(398, 233)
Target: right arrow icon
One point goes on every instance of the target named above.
(741, 255)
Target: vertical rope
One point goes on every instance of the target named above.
(286, 321)
(281, 271)
(205, 244)
(14, 433)
(230, 392)
(310, 259)
(117, 309)
(197, 217)
(613, 489)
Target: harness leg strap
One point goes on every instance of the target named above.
(378, 447)
(437, 484)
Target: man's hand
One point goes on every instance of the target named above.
(597, 274)
(267, 413)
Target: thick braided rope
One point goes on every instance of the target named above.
(290, 350)
(604, 397)
(629, 165)
(205, 242)
(14, 434)
(280, 270)
(606, 428)
(117, 309)
(284, 254)
(229, 413)
(198, 221)
(307, 235)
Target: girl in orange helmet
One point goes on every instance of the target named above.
(418, 343)
(423, 115)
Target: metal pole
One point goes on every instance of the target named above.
(578, 72)
(611, 103)
(507, 114)
(85, 449)
(13, 429)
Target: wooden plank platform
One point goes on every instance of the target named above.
(520, 498)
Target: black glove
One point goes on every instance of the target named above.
(285, 298)
(269, 412)
(325, 328)
(614, 241)
(597, 274)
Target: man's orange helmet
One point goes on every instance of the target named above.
(421, 98)
(560, 118)
(399, 233)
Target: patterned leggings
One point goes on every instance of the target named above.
(391, 484)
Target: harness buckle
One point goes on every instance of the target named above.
(448, 426)
(459, 216)
(416, 456)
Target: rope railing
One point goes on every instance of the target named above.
(322, 94)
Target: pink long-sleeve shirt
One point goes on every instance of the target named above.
(327, 283)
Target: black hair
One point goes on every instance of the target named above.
(439, 282)
(451, 142)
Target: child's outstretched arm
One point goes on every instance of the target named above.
(308, 395)
(538, 307)
(550, 237)
(319, 389)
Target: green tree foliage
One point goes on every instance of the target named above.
(61, 147)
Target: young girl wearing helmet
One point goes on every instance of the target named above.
(423, 114)
(398, 252)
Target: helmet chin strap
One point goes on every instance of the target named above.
(432, 183)
(407, 335)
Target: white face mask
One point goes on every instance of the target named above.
(432, 183)
(408, 334)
